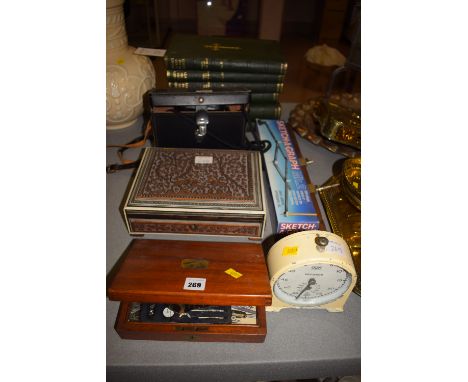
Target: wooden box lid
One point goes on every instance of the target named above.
(226, 180)
(156, 271)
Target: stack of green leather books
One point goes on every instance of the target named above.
(207, 62)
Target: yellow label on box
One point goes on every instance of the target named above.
(290, 251)
(233, 273)
(120, 61)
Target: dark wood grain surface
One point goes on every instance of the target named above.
(151, 271)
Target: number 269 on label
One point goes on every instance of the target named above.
(194, 283)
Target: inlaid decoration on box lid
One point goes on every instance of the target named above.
(198, 178)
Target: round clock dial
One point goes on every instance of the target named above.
(312, 284)
(310, 269)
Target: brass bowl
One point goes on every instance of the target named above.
(351, 181)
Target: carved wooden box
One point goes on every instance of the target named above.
(197, 191)
(162, 273)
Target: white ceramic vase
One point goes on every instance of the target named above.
(128, 75)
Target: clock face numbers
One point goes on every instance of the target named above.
(312, 284)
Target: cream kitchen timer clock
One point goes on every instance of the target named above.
(310, 269)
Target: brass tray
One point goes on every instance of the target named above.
(345, 220)
(308, 120)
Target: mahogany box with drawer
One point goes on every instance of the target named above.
(156, 271)
(197, 191)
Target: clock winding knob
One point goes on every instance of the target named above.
(321, 242)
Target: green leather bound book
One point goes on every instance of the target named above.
(254, 87)
(260, 98)
(216, 76)
(267, 111)
(224, 54)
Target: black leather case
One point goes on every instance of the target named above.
(201, 119)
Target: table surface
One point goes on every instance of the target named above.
(300, 343)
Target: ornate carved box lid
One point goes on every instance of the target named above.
(222, 273)
(205, 179)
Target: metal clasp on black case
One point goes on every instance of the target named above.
(202, 121)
